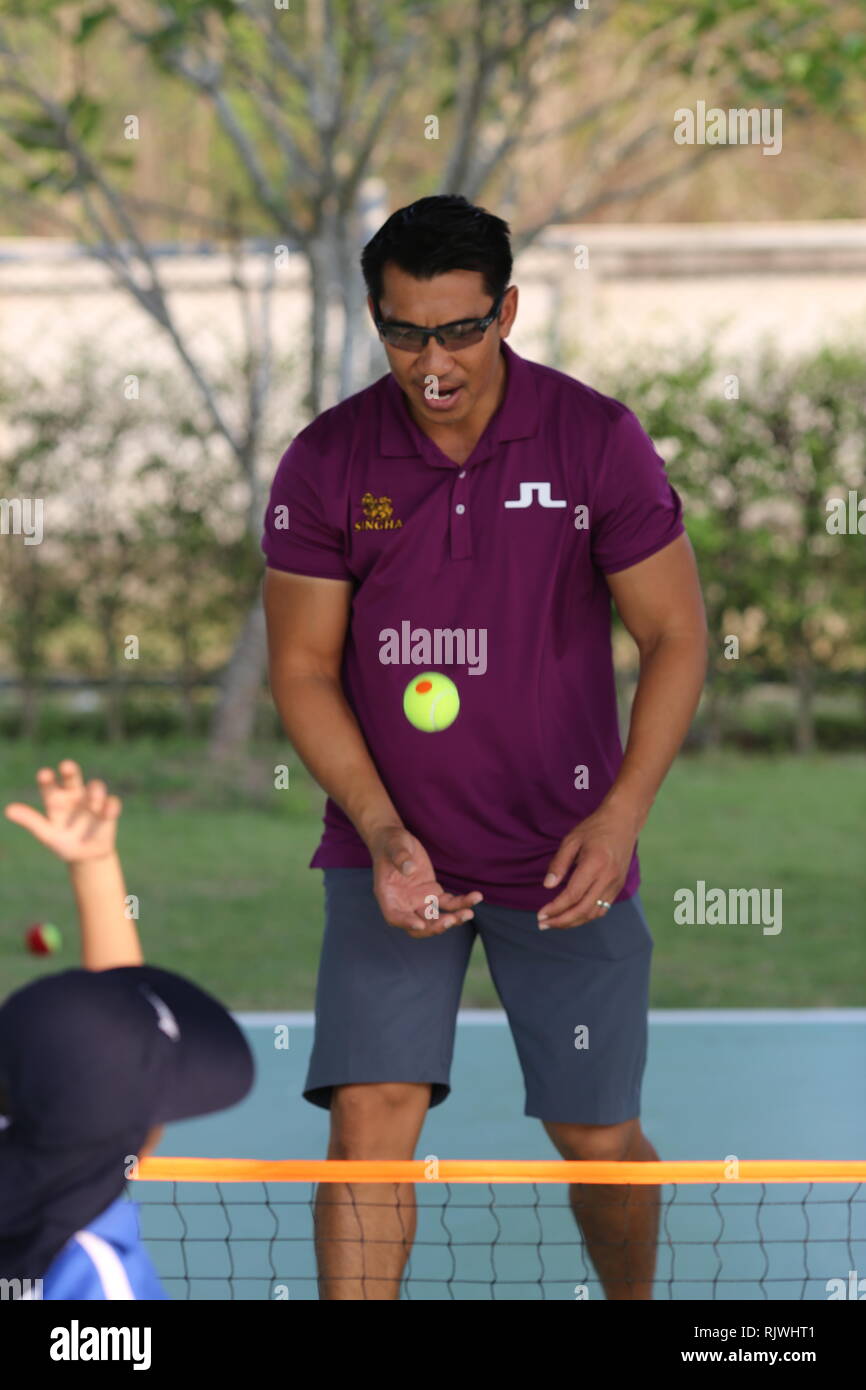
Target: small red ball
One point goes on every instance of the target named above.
(43, 939)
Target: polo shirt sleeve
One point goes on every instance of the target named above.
(299, 536)
(635, 510)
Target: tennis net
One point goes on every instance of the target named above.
(747, 1230)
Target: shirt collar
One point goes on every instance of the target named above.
(516, 418)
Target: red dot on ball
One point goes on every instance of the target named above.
(422, 687)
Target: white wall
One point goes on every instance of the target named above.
(664, 286)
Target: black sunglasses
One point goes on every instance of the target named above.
(462, 333)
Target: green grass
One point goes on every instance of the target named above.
(796, 824)
(218, 862)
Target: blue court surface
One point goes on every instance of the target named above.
(749, 1084)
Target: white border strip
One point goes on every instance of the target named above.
(688, 1017)
(715, 1016)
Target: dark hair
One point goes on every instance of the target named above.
(437, 234)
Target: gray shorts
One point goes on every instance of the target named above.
(576, 1000)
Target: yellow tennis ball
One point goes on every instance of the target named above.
(431, 702)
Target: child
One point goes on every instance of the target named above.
(93, 1062)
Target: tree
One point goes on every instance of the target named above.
(756, 471)
(36, 597)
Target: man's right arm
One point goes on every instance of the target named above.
(307, 621)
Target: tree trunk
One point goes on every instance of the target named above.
(114, 687)
(187, 688)
(321, 257)
(30, 708)
(553, 354)
(234, 718)
(235, 715)
(114, 721)
(359, 355)
(188, 668)
(714, 725)
(804, 685)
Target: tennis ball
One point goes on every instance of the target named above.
(43, 939)
(431, 702)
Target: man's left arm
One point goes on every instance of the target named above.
(660, 603)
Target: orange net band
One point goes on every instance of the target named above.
(725, 1171)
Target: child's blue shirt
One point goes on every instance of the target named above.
(107, 1260)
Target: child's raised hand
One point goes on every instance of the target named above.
(80, 822)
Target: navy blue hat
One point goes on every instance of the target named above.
(90, 1062)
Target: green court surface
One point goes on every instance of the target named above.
(745, 1084)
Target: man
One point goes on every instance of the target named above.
(470, 515)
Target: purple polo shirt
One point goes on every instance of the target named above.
(493, 573)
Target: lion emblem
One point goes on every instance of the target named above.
(377, 508)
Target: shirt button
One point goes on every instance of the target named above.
(462, 474)
(460, 509)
